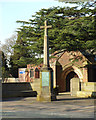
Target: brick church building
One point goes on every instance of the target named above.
(66, 65)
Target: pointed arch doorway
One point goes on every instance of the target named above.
(64, 75)
(70, 75)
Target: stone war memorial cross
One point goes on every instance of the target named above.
(46, 76)
(46, 45)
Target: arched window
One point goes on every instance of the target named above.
(95, 58)
(37, 73)
(31, 73)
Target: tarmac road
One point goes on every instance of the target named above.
(64, 107)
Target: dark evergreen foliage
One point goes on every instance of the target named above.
(72, 29)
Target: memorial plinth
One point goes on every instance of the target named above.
(46, 74)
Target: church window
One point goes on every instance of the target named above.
(95, 58)
(37, 73)
(31, 73)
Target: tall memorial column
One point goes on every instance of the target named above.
(46, 75)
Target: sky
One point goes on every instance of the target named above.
(13, 10)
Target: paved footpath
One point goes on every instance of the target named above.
(64, 107)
